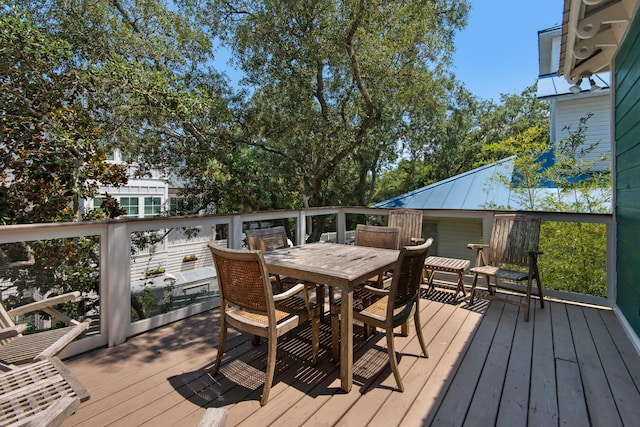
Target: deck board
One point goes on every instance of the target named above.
(571, 404)
(600, 402)
(435, 334)
(452, 408)
(483, 408)
(452, 342)
(514, 400)
(569, 365)
(543, 403)
(614, 369)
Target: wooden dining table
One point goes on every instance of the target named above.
(338, 266)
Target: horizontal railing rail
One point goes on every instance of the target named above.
(115, 265)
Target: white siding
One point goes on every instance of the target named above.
(555, 54)
(569, 112)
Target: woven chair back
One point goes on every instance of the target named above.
(267, 239)
(243, 279)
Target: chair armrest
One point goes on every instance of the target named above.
(55, 414)
(377, 291)
(480, 259)
(12, 331)
(477, 246)
(289, 293)
(64, 340)
(45, 303)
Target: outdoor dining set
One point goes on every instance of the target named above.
(272, 288)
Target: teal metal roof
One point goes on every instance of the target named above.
(478, 189)
(475, 189)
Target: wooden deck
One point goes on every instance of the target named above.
(569, 365)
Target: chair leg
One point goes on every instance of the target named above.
(490, 289)
(404, 329)
(315, 338)
(416, 320)
(527, 300)
(271, 369)
(223, 340)
(537, 276)
(392, 358)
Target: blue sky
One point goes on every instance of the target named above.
(498, 50)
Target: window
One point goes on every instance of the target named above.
(97, 203)
(177, 206)
(130, 205)
(152, 206)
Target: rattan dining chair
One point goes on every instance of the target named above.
(271, 239)
(247, 303)
(373, 236)
(393, 307)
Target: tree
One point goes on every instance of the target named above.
(512, 126)
(336, 85)
(466, 133)
(51, 156)
(560, 178)
(581, 185)
(78, 79)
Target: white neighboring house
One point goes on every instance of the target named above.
(568, 103)
(180, 267)
(477, 189)
(142, 197)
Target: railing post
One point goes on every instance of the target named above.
(612, 287)
(301, 227)
(341, 226)
(118, 292)
(235, 232)
(487, 225)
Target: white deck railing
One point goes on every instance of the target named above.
(116, 256)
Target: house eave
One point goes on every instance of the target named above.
(591, 33)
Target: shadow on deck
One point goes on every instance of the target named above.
(568, 365)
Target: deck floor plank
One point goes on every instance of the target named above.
(483, 408)
(572, 408)
(543, 403)
(411, 361)
(515, 394)
(600, 402)
(623, 344)
(454, 404)
(453, 343)
(570, 365)
(615, 370)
